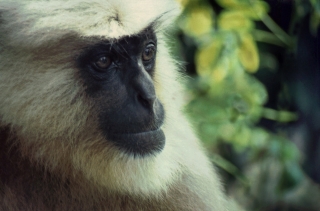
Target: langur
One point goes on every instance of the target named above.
(90, 111)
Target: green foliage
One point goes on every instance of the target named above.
(227, 100)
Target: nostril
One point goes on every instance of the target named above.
(142, 101)
(146, 102)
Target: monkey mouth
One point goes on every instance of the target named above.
(141, 143)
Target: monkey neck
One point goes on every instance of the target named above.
(32, 184)
(35, 187)
(25, 178)
(35, 184)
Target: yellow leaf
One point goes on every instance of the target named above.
(230, 3)
(248, 54)
(199, 21)
(219, 73)
(234, 20)
(251, 8)
(207, 55)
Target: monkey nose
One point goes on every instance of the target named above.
(147, 101)
(145, 94)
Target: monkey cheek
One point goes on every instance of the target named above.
(139, 144)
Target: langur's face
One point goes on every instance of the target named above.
(119, 79)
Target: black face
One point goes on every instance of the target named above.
(118, 76)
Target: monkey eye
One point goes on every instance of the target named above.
(149, 52)
(102, 63)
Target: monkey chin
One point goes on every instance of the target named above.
(118, 171)
(139, 144)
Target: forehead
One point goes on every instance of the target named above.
(46, 28)
(132, 44)
(136, 39)
(104, 18)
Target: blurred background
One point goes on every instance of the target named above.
(253, 70)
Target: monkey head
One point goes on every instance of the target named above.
(86, 89)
